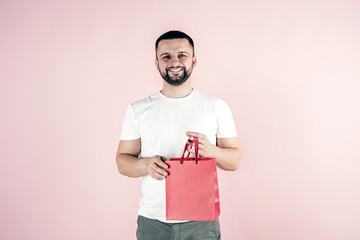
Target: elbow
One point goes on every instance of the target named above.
(121, 171)
(230, 162)
(125, 168)
(234, 166)
(121, 168)
(237, 160)
(230, 166)
(235, 163)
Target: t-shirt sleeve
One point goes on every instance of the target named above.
(226, 124)
(130, 129)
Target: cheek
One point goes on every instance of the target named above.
(162, 67)
(163, 64)
(187, 63)
(184, 62)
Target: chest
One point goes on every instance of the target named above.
(175, 120)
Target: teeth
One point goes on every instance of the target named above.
(175, 70)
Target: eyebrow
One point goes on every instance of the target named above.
(166, 53)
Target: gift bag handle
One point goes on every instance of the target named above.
(196, 141)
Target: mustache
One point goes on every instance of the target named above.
(167, 69)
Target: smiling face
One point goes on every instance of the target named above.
(175, 60)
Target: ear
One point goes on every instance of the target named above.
(157, 64)
(194, 60)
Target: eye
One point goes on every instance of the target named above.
(166, 57)
(182, 56)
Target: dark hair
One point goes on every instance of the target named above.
(175, 35)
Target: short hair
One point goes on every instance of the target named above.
(174, 34)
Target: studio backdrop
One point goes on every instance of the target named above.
(289, 70)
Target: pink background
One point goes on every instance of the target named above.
(290, 71)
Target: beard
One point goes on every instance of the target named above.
(176, 80)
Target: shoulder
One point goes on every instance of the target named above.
(145, 103)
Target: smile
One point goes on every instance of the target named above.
(175, 70)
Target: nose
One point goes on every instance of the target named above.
(174, 62)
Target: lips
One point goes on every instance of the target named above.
(175, 70)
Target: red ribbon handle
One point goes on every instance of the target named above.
(196, 141)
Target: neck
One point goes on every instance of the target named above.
(177, 91)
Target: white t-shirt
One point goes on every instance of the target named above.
(161, 123)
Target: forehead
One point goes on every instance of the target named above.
(173, 46)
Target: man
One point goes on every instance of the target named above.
(156, 129)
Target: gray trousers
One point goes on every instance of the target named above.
(150, 229)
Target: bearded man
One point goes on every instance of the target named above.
(155, 128)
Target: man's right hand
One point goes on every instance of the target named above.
(156, 166)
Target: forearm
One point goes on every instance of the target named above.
(227, 158)
(226, 151)
(130, 165)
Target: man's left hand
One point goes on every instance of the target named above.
(206, 149)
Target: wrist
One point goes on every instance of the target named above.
(145, 165)
(214, 151)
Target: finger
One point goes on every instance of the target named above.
(194, 134)
(164, 159)
(191, 141)
(157, 176)
(192, 144)
(161, 163)
(202, 139)
(200, 153)
(157, 168)
(158, 171)
(191, 151)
